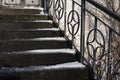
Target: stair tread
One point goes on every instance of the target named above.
(38, 29)
(69, 65)
(35, 21)
(37, 57)
(26, 14)
(43, 51)
(35, 24)
(37, 39)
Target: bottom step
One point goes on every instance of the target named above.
(66, 71)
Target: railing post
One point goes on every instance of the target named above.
(109, 55)
(82, 42)
(44, 4)
(65, 15)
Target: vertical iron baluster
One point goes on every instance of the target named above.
(95, 36)
(109, 55)
(59, 13)
(73, 27)
(53, 9)
(65, 15)
(82, 30)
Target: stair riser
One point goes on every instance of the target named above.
(30, 45)
(27, 34)
(62, 74)
(19, 11)
(19, 60)
(25, 25)
(22, 17)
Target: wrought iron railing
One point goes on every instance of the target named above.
(93, 36)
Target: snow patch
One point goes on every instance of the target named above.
(67, 65)
(70, 65)
(38, 39)
(49, 39)
(41, 29)
(48, 21)
(45, 51)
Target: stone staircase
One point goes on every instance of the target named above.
(31, 48)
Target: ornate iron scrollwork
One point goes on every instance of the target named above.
(73, 22)
(93, 48)
(96, 49)
(59, 9)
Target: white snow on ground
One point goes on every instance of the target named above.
(70, 65)
(45, 51)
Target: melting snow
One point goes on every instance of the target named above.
(41, 29)
(70, 65)
(38, 39)
(48, 21)
(45, 51)
(49, 39)
(67, 65)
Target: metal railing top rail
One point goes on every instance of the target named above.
(104, 9)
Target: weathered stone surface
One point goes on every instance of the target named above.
(37, 57)
(21, 17)
(7, 11)
(53, 72)
(31, 44)
(26, 24)
(31, 49)
(28, 33)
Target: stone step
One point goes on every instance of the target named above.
(65, 71)
(19, 11)
(28, 17)
(26, 24)
(30, 44)
(37, 57)
(29, 33)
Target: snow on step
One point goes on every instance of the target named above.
(51, 38)
(38, 39)
(40, 29)
(69, 65)
(47, 21)
(45, 51)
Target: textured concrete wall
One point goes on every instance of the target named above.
(31, 2)
(12, 2)
(26, 2)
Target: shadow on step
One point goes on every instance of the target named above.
(10, 77)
